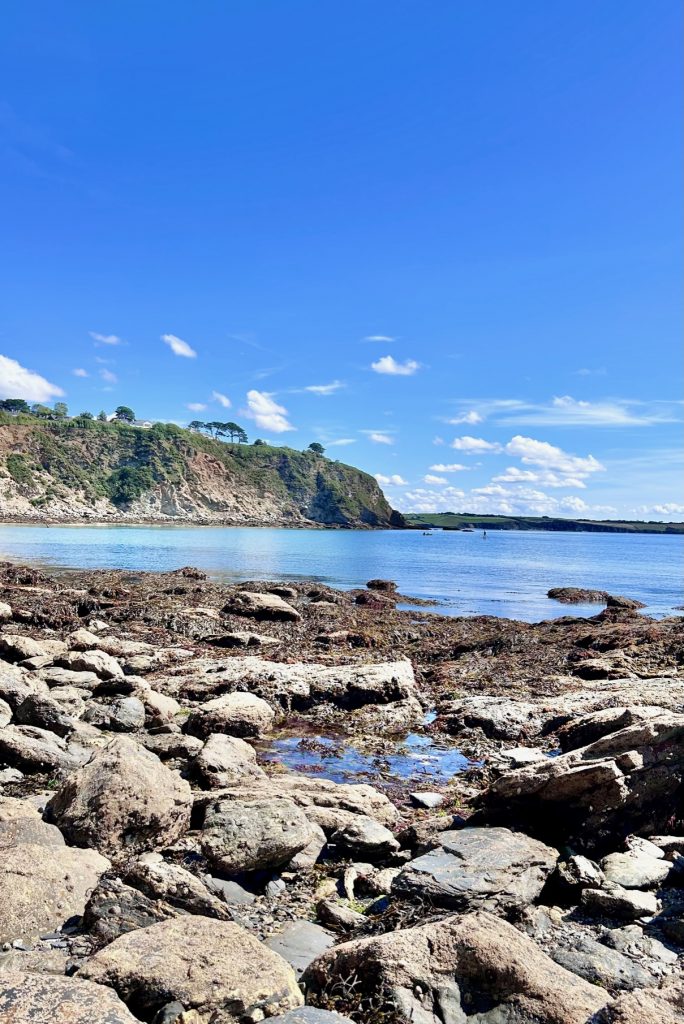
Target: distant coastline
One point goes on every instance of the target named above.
(464, 521)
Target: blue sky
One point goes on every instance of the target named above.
(441, 238)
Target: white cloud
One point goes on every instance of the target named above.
(466, 417)
(18, 382)
(429, 478)
(108, 376)
(379, 337)
(105, 339)
(221, 399)
(668, 508)
(341, 442)
(514, 475)
(80, 372)
(196, 406)
(541, 453)
(395, 479)
(566, 411)
(449, 467)
(178, 346)
(378, 438)
(325, 389)
(266, 413)
(475, 444)
(389, 365)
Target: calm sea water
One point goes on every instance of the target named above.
(507, 574)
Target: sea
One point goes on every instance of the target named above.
(505, 573)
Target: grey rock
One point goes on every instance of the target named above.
(261, 606)
(31, 830)
(5, 713)
(427, 800)
(595, 962)
(224, 760)
(246, 835)
(127, 714)
(310, 1015)
(621, 904)
(364, 837)
(632, 940)
(477, 867)
(113, 909)
(498, 717)
(35, 750)
(299, 943)
(172, 745)
(230, 892)
(103, 665)
(634, 870)
(45, 713)
(174, 885)
(237, 714)
(339, 916)
(15, 647)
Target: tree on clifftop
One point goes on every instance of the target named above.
(124, 414)
(14, 405)
(316, 448)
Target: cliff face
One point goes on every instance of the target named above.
(64, 472)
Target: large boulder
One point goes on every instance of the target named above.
(237, 714)
(38, 999)
(42, 887)
(103, 665)
(16, 647)
(261, 606)
(628, 781)
(479, 867)
(498, 717)
(245, 835)
(474, 965)
(213, 967)
(123, 801)
(224, 760)
(159, 880)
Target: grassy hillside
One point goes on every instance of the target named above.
(459, 521)
(71, 469)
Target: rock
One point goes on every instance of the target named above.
(15, 647)
(242, 639)
(174, 885)
(618, 601)
(230, 892)
(339, 916)
(82, 640)
(388, 719)
(632, 939)
(12, 808)
(42, 887)
(308, 857)
(16, 685)
(310, 1015)
(224, 760)
(386, 585)
(476, 867)
(518, 757)
(261, 606)
(5, 612)
(595, 962)
(628, 781)
(55, 677)
(237, 714)
(364, 837)
(114, 909)
(29, 830)
(172, 745)
(127, 714)
(159, 708)
(669, 845)
(577, 595)
(45, 713)
(449, 970)
(578, 873)
(5, 713)
(299, 943)
(587, 728)
(246, 835)
(653, 1006)
(103, 665)
(123, 801)
(427, 800)
(635, 870)
(34, 750)
(39, 999)
(498, 717)
(622, 904)
(214, 967)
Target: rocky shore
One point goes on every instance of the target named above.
(159, 863)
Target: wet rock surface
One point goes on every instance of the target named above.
(224, 804)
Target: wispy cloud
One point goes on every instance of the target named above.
(221, 399)
(105, 339)
(80, 372)
(379, 337)
(449, 467)
(195, 406)
(389, 365)
(395, 479)
(325, 389)
(430, 478)
(378, 436)
(566, 411)
(475, 444)
(178, 346)
(466, 417)
(108, 377)
(341, 442)
(18, 382)
(266, 413)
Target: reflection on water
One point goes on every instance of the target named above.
(507, 574)
(416, 759)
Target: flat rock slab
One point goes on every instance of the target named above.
(310, 1015)
(300, 942)
(214, 967)
(261, 606)
(476, 867)
(38, 999)
(635, 870)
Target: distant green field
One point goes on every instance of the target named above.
(461, 520)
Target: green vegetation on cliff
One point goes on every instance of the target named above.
(462, 521)
(62, 467)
